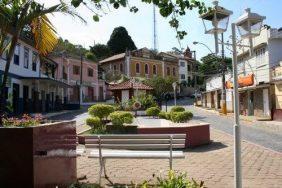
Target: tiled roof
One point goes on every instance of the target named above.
(114, 57)
(130, 84)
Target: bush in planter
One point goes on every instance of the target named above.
(177, 109)
(101, 110)
(181, 117)
(164, 115)
(119, 118)
(93, 122)
(153, 111)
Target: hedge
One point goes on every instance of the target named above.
(177, 109)
(93, 122)
(181, 117)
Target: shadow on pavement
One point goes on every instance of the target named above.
(206, 148)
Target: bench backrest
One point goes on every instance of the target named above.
(136, 141)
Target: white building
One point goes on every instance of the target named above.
(31, 86)
(255, 96)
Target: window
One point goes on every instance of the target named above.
(146, 69)
(168, 71)
(173, 72)
(154, 69)
(137, 68)
(121, 67)
(17, 55)
(76, 69)
(90, 72)
(115, 67)
(34, 60)
(182, 64)
(182, 76)
(26, 57)
(189, 68)
(260, 56)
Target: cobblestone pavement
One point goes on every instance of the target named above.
(212, 163)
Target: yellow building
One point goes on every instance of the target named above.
(277, 81)
(141, 63)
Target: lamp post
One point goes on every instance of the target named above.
(196, 42)
(249, 25)
(174, 85)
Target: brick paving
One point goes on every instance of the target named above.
(211, 163)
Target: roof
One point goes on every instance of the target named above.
(114, 57)
(130, 84)
(48, 80)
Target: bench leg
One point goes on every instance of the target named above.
(104, 167)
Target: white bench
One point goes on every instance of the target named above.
(138, 146)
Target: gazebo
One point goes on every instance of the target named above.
(126, 90)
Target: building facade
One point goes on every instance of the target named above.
(256, 93)
(141, 63)
(277, 85)
(31, 86)
(86, 87)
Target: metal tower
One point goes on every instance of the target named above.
(155, 42)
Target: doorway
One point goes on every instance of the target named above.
(251, 103)
(26, 99)
(16, 97)
(266, 110)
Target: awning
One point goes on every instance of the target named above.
(48, 81)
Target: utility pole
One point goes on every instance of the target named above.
(80, 86)
(223, 93)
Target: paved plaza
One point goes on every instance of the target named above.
(212, 163)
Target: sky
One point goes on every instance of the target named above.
(140, 25)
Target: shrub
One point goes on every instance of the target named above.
(164, 115)
(120, 117)
(101, 110)
(93, 122)
(181, 117)
(153, 111)
(177, 109)
(147, 101)
(99, 130)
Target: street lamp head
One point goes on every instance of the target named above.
(249, 24)
(195, 43)
(216, 19)
(174, 85)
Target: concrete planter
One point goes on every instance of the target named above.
(196, 135)
(39, 156)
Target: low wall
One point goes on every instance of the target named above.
(277, 115)
(196, 135)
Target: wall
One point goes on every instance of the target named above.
(278, 95)
(142, 63)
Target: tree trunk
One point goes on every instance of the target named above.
(5, 75)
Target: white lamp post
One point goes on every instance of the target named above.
(249, 25)
(216, 21)
(174, 85)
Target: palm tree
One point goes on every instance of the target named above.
(17, 16)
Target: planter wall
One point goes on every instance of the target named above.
(196, 135)
(40, 156)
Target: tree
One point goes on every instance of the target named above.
(120, 41)
(212, 64)
(101, 51)
(161, 86)
(174, 9)
(26, 17)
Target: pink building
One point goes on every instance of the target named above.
(69, 71)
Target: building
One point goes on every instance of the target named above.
(86, 87)
(212, 96)
(32, 86)
(141, 63)
(254, 71)
(277, 84)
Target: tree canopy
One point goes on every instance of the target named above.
(120, 41)
(100, 51)
(212, 64)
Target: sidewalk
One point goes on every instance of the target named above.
(272, 126)
(211, 163)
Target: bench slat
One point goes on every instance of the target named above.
(136, 154)
(135, 141)
(135, 146)
(137, 136)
